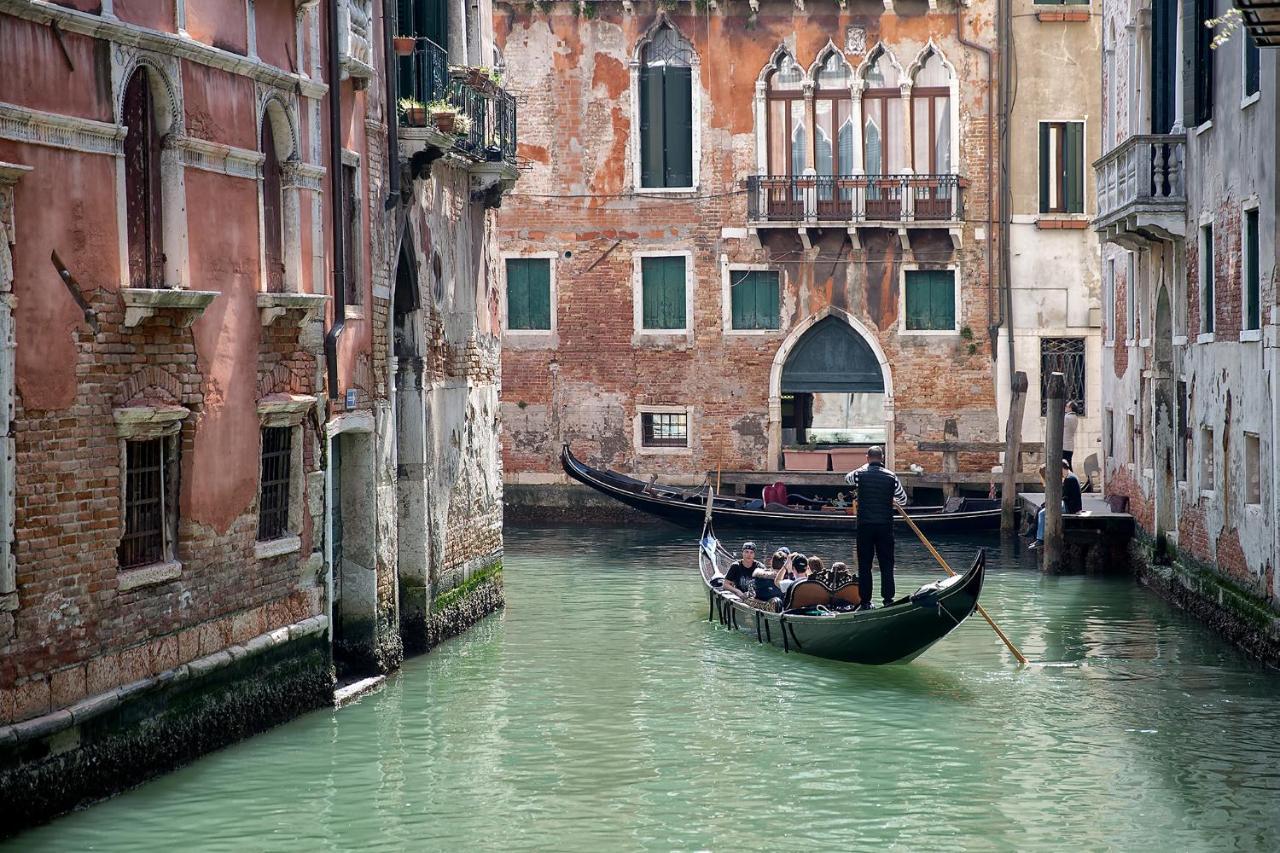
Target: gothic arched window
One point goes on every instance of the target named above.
(143, 196)
(931, 117)
(833, 117)
(666, 110)
(882, 116)
(272, 209)
(788, 138)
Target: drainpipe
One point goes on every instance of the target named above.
(392, 67)
(335, 202)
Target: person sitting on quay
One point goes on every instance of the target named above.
(739, 574)
(1072, 501)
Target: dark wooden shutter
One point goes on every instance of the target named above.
(677, 124)
(517, 294)
(919, 298)
(143, 203)
(272, 211)
(942, 308)
(432, 21)
(1164, 68)
(754, 300)
(662, 280)
(651, 129)
(538, 290)
(1074, 167)
(1045, 177)
(1252, 299)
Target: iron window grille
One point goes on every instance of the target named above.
(1065, 356)
(273, 509)
(148, 503)
(664, 430)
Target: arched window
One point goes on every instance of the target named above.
(143, 196)
(882, 116)
(666, 110)
(787, 134)
(272, 210)
(833, 119)
(931, 117)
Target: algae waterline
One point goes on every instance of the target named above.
(601, 711)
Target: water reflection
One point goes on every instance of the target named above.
(602, 711)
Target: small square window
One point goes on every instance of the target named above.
(931, 300)
(1207, 482)
(529, 294)
(754, 297)
(273, 506)
(662, 288)
(664, 429)
(1252, 469)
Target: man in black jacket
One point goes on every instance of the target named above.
(877, 490)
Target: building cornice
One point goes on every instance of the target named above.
(183, 47)
(219, 158)
(38, 127)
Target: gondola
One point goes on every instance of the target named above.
(686, 507)
(898, 632)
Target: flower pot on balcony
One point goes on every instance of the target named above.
(415, 116)
(805, 460)
(403, 45)
(444, 121)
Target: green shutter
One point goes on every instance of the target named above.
(662, 283)
(517, 294)
(677, 125)
(529, 294)
(651, 130)
(942, 310)
(919, 298)
(1074, 183)
(931, 303)
(1045, 177)
(754, 300)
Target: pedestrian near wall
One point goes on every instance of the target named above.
(877, 489)
(1069, 423)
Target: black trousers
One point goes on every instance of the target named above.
(875, 541)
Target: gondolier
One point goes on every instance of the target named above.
(877, 489)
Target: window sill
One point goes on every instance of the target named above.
(1208, 125)
(1179, 340)
(142, 576)
(666, 190)
(284, 410)
(751, 332)
(296, 306)
(1067, 222)
(1250, 335)
(1204, 338)
(1109, 344)
(277, 547)
(1143, 343)
(1208, 494)
(140, 303)
(664, 451)
(1250, 100)
(932, 333)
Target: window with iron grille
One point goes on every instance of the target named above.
(664, 429)
(273, 508)
(149, 503)
(1065, 356)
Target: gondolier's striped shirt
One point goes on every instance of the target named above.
(877, 490)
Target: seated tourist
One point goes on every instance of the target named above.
(799, 570)
(739, 575)
(1072, 500)
(766, 583)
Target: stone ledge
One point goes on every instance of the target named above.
(156, 573)
(143, 302)
(273, 306)
(277, 547)
(143, 422)
(284, 410)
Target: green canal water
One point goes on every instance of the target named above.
(601, 711)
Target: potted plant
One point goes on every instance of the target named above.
(443, 115)
(461, 125)
(414, 112)
(403, 45)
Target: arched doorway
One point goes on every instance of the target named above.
(830, 385)
(1165, 420)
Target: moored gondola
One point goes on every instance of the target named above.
(686, 507)
(898, 632)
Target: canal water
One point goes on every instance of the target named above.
(601, 711)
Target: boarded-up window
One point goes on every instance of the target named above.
(150, 501)
(1062, 167)
(143, 203)
(666, 111)
(272, 211)
(754, 297)
(662, 283)
(273, 508)
(931, 300)
(529, 294)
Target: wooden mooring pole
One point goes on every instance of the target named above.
(1054, 412)
(1013, 455)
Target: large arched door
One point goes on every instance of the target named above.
(833, 389)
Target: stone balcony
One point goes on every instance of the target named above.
(1141, 190)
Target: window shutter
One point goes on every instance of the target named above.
(943, 307)
(650, 287)
(674, 293)
(436, 21)
(919, 299)
(677, 123)
(740, 287)
(771, 298)
(517, 295)
(1045, 177)
(651, 131)
(538, 293)
(1074, 167)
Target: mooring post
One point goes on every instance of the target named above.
(1054, 410)
(1013, 454)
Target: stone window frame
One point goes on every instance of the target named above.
(1206, 229)
(1109, 301)
(1131, 324)
(638, 430)
(290, 411)
(639, 333)
(727, 269)
(1248, 99)
(634, 66)
(1207, 461)
(145, 423)
(1063, 213)
(1252, 465)
(355, 256)
(10, 174)
(541, 337)
(903, 269)
(1250, 205)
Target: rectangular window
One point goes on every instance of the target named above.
(1132, 439)
(1252, 65)
(931, 300)
(1061, 167)
(1164, 65)
(529, 294)
(1109, 300)
(663, 292)
(1182, 432)
(1207, 302)
(1206, 460)
(666, 126)
(1252, 469)
(1252, 279)
(149, 502)
(755, 298)
(1131, 299)
(664, 429)
(273, 507)
(351, 258)
(1109, 434)
(1202, 78)
(1065, 356)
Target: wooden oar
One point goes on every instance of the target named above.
(1017, 654)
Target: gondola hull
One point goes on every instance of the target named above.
(729, 514)
(894, 634)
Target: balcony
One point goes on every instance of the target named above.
(852, 201)
(1142, 195)
(483, 130)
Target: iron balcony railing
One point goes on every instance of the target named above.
(1143, 171)
(489, 111)
(854, 198)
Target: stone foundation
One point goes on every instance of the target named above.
(566, 502)
(116, 740)
(457, 609)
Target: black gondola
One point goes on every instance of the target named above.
(686, 507)
(897, 632)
